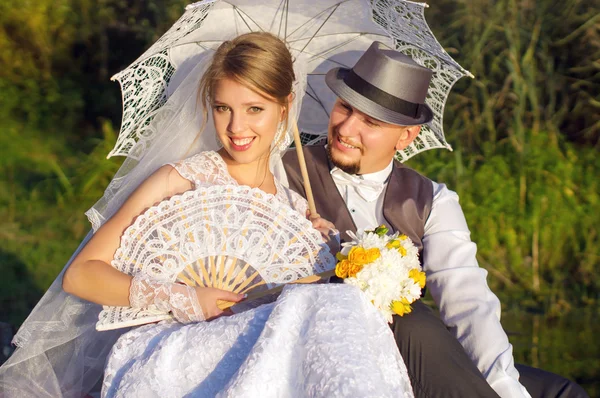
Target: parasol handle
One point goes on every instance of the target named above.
(307, 188)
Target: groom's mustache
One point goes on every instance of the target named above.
(337, 135)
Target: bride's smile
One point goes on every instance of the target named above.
(241, 144)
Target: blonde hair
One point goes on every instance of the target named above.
(257, 60)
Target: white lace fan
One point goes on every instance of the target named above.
(234, 238)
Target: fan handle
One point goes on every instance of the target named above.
(223, 305)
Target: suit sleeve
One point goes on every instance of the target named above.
(459, 287)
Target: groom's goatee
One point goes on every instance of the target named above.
(350, 168)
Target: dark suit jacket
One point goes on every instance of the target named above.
(407, 202)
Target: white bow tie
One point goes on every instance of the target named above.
(368, 190)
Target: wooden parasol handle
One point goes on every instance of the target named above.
(313, 214)
(302, 162)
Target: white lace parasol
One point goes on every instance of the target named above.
(234, 238)
(329, 33)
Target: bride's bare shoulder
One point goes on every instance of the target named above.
(161, 185)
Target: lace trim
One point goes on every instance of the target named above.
(209, 168)
(180, 300)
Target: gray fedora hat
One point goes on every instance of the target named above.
(386, 85)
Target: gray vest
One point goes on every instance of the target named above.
(406, 205)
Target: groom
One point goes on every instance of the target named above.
(357, 184)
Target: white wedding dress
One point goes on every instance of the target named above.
(322, 340)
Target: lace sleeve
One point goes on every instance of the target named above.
(205, 168)
(295, 201)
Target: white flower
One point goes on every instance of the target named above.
(368, 240)
(387, 278)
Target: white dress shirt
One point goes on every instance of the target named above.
(456, 282)
(366, 214)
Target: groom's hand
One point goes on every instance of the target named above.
(330, 235)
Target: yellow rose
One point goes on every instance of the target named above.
(417, 276)
(340, 257)
(358, 255)
(341, 269)
(373, 254)
(403, 237)
(354, 269)
(401, 307)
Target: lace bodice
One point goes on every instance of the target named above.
(209, 168)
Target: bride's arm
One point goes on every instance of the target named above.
(90, 276)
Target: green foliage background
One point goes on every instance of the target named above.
(525, 163)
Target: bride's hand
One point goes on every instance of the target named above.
(208, 297)
(187, 304)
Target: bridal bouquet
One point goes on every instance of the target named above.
(385, 267)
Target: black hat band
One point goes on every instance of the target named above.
(369, 91)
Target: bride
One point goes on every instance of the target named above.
(318, 340)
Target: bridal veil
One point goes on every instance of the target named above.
(59, 352)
